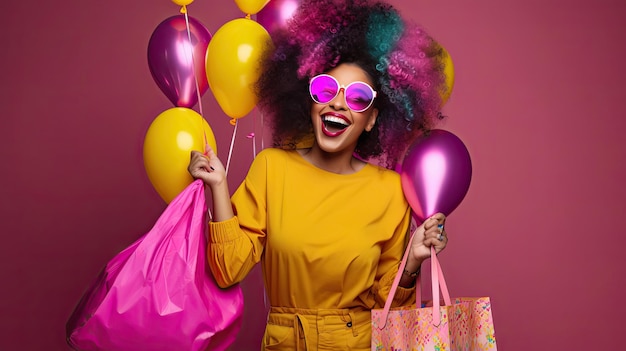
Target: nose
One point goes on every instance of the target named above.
(339, 101)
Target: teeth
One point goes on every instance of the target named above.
(335, 120)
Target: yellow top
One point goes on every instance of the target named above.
(325, 240)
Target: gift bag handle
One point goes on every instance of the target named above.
(437, 281)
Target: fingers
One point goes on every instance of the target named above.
(207, 166)
(430, 234)
(435, 233)
(439, 218)
(200, 164)
(435, 223)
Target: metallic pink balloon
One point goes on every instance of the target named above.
(436, 174)
(176, 64)
(276, 13)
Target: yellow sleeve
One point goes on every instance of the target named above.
(390, 259)
(237, 244)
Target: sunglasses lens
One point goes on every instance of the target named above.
(359, 96)
(323, 89)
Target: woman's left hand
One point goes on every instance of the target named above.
(431, 233)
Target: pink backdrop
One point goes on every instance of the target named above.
(538, 96)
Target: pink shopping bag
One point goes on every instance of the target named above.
(157, 294)
(464, 323)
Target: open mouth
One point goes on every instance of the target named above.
(334, 125)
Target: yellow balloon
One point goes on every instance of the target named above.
(232, 63)
(182, 2)
(449, 73)
(167, 148)
(251, 7)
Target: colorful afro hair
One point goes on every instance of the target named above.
(404, 62)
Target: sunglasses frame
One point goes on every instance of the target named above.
(344, 88)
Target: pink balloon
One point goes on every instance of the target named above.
(176, 64)
(276, 13)
(436, 174)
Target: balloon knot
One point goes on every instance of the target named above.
(233, 121)
(183, 9)
(250, 136)
(247, 16)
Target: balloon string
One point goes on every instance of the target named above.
(195, 78)
(230, 151)
(262, 132)
(254, 136)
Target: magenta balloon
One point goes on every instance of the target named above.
(436, 174)
(172, 59)
(275, 14)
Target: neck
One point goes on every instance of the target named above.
(335, 162)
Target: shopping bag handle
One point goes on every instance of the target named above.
(437, 281)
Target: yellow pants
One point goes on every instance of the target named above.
(317, 330)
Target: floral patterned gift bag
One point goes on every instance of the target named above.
(463, 323)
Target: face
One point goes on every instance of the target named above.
(338, 120)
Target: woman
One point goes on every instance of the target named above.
(344, 83)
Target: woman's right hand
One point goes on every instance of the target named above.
(207, 167)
